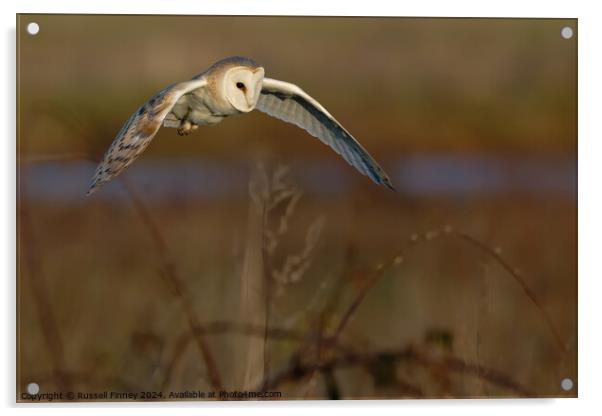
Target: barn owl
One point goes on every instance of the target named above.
(232, 86)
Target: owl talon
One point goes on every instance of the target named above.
(187, 128)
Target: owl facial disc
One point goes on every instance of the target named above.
(242, 86)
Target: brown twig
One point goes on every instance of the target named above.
(490, 375)
(299, 370)
(229, 327)
(178, 353)
(268, 291)
(177, 285)
(28, 249)
(379, 272)
(215, 328)
(361, 295)
(519, 279)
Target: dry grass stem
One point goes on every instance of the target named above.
(168, 269)
(28, 250)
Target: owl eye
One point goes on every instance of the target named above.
(240, 86)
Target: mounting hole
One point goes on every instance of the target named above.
(566, 384)
(33, 28)
(566, 32)
(33, 388)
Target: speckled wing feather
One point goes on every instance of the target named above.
(138, 131)
(290, 103)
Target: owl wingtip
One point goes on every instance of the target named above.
(387, 182)
(93, 187)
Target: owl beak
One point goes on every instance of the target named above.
(252, 96)
(249, 102)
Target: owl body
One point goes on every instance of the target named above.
(196, 109)
(232, 86)
(216, 99)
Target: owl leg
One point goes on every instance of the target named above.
(186, 128)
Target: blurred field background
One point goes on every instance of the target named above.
(461, 284)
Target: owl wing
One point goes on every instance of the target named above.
(290, 103)
(139, 130)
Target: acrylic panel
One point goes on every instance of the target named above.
(350, 208)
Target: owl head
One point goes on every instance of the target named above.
(239, 80)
